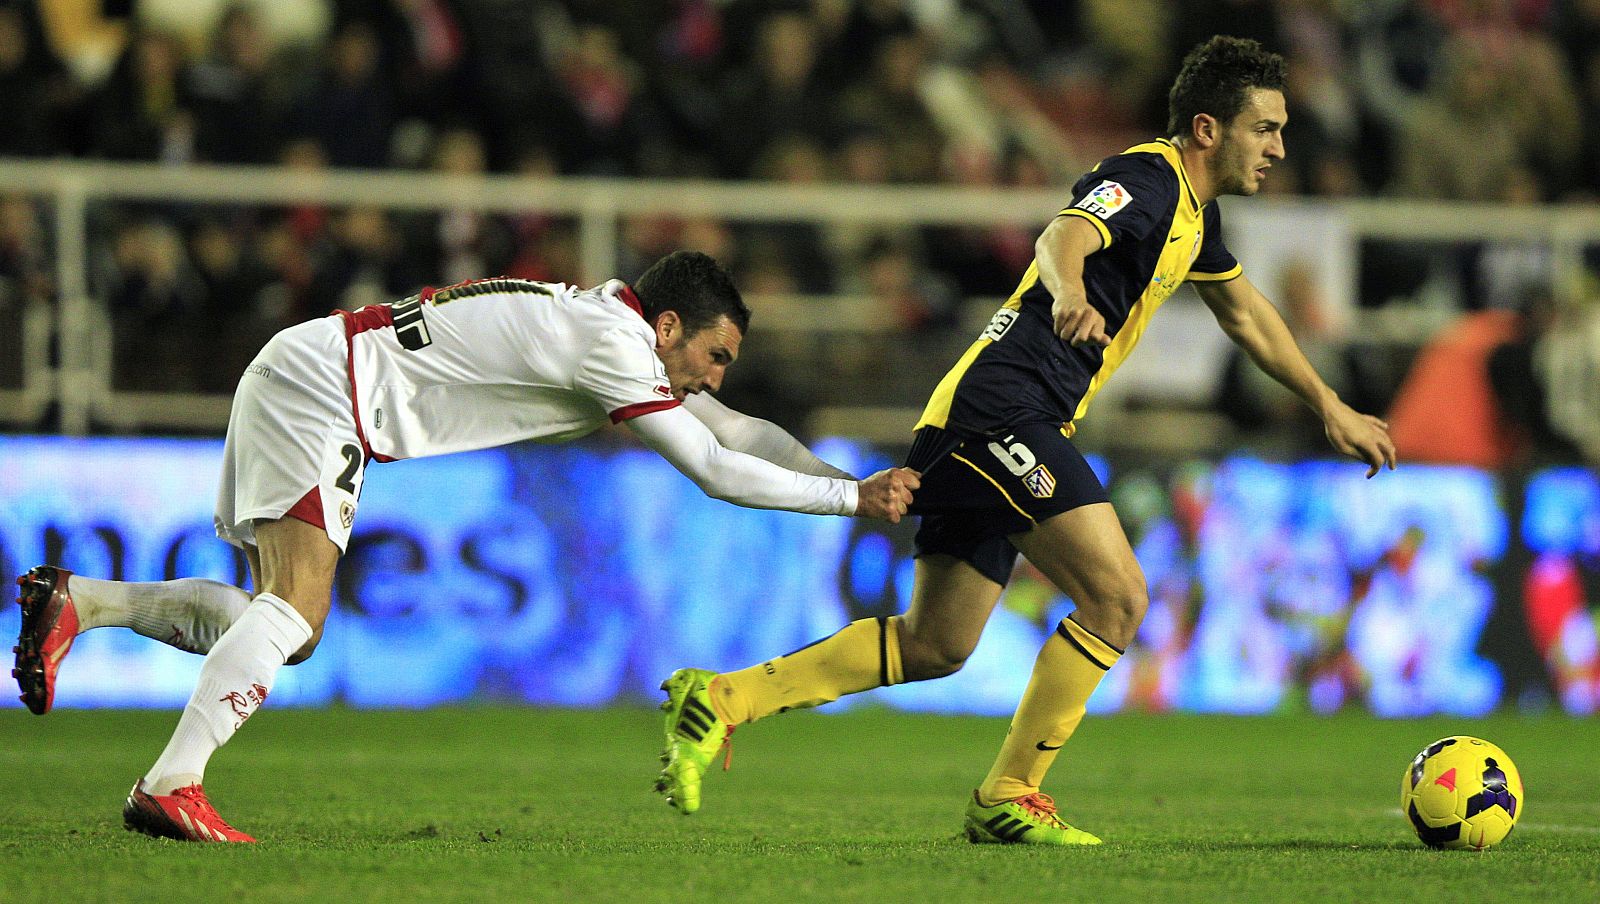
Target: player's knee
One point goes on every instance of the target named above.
(1132, 601)
(926, 661)
(928, 669)
(1121, 603)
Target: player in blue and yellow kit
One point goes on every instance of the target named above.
(1000, 472)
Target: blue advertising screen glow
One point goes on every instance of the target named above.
(581, 575)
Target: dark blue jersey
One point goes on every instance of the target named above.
(1155, 235)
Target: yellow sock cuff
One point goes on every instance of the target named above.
(862, 655)
(1091, 646)
(889, 651)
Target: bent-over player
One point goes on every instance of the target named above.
(470, 366)
(999, 470)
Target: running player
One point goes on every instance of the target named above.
(466, 367)
(1001, 474)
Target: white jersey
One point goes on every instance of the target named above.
(476, 365)
(495, 361)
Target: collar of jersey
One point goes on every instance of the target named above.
(625, 294)
(1176, 159)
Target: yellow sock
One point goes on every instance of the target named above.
(1067, 671)
(863, 655)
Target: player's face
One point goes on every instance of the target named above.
(697, 363)
(1250, 143)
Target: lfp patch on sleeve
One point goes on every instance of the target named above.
(1106, 199)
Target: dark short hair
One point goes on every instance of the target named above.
(694, 285)
(1215, 77)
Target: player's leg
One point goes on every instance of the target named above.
(282, 624)
(292, 470)
(1085, 553)
(703, 707)
(950, 602)
(963, 559)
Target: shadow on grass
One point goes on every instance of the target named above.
(1286, 845)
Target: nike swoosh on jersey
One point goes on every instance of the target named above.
(1043, 746)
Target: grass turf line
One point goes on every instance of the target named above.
(513, 804)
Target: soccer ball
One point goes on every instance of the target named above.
(1462, 792)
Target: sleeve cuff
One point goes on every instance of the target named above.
(1234, 273)
(628, 412)
(1105, 234)
(852, 497)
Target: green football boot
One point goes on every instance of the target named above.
(1026, 820)
(695, 734)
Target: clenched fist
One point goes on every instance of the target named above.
(886, 494)
(1079, 323)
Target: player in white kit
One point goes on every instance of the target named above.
(471, 366)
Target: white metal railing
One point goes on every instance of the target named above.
(80, 379)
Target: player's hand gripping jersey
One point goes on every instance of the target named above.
(1155, 235)
(495, 361)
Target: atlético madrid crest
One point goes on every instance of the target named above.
(1040, 482)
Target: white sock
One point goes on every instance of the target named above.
(189, 614)
(234, 681)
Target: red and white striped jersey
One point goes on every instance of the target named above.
(495, 361)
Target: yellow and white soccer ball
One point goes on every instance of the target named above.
(1462, 793)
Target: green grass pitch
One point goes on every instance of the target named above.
(513, 804)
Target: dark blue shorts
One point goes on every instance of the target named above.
(977, 492)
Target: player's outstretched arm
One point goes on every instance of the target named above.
(761, 438)
(734, 476)
(1254, 325)
(755, 483)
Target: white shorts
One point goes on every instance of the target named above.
(292, 446)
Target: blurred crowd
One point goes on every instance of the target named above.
(875, 90)
(1472, 100)
(908, 91)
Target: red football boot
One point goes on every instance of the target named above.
(49, 625)
(185, 814)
